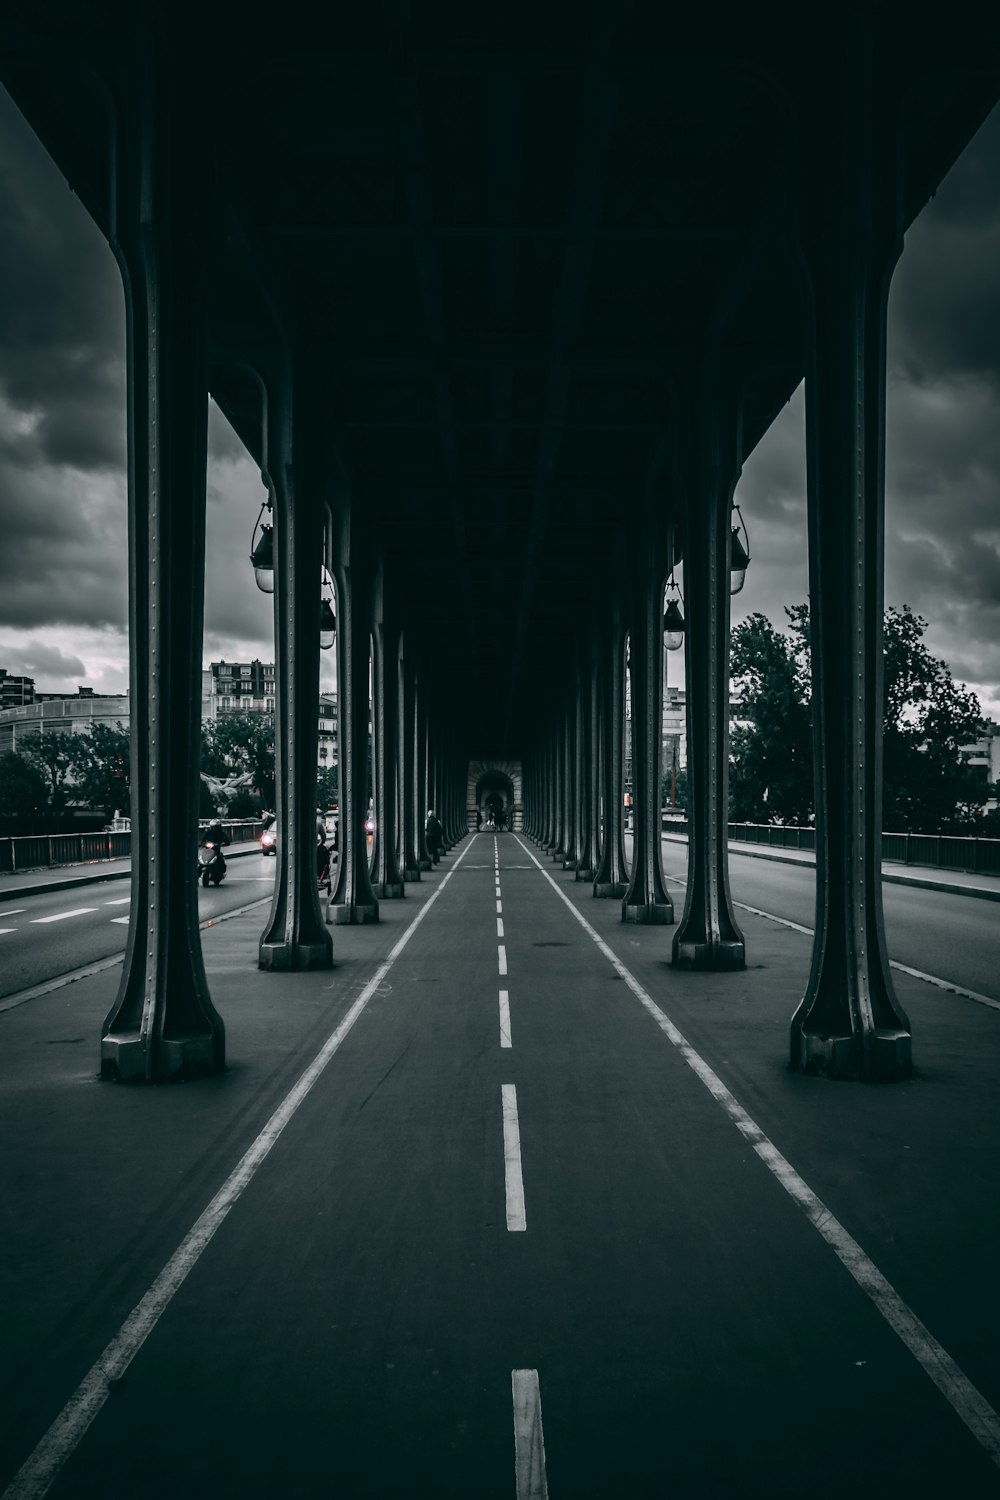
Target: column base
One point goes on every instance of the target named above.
(411, 875)
(569, 864)
(611, 890)
(649, 914)
(718, 957)
(352, 913)
(423, 864)
(124, 1059)
(389, 890)
(295, 957)
(585, 872)
(887, 1057)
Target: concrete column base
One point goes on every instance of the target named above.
(886, 1058)
(294, 957)
(413, 874)
(390, 890)
(124, 1059)
(611, 890)
(649, 914)
(352, 913)
(717, 957)
(424, 864)
(586, 872)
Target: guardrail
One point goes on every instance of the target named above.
(940, 851)
(47, 851)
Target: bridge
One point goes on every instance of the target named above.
(500, 302)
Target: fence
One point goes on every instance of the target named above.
(47, 851)
(941, 851)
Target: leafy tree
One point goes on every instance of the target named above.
(770, 774)
(100, 765)
(53, 755)
(926, 787)
(23, 793)
(327, 788)
(241, 742)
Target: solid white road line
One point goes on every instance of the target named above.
(37, 1473)
(513, 1180)
(81, 911)
(957, 1389)
(529, 1444)
(504, 1019)
(502, 957)
(499, 926)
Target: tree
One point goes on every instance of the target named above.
(926, 786)
(53, 755)
(23, 793)
(241, 742)
(100, 765)
(770, 774)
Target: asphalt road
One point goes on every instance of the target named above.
(53, 932)
(955, 938)
(506, 1172)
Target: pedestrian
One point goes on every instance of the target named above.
(434, 832)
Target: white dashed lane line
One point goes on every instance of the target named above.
(63, 916)
(505, 1040)
(120, 901)
(502, 957)
(529, 1445)
(513, 1180)
(499, 926)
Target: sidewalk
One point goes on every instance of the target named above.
(958, 882)
(14, 887)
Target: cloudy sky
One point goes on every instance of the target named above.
(63, 602)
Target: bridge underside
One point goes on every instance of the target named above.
(500, 302)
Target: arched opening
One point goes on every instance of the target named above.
(495, 801)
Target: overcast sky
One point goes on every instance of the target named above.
(63, 600)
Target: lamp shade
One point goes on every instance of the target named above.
(673, 626)
(739, 561)
(327, 625)
(262, 558)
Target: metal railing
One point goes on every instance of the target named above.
(48, 851)
(940, 851)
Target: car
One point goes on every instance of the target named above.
(269, 840)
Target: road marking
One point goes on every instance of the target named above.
(529, 1444)
(499, 906)
(502, 956)
(14, 911)
(125, 920)
(941, 984)
(513, 1180)
(8, 929)
(121, 901)
(504, 1019)
(41, 1467)
(957, 1389)
(499, 926)
(62, 916)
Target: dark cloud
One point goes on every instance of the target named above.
(41, 661)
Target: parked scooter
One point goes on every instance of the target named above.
(211, 864)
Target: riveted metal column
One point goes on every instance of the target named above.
(563, 783)
(849, 1024)
(353, 900)
(409, 811)
(612, 878)
(421, 803)
(548, 836)
(590, 789)
(295, 937)
(574, 837)
(708, 936)
(387, 880)
(163, 1024)
(646, 900)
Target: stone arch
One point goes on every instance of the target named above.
(495, 779)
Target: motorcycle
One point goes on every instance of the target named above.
(211, 864)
